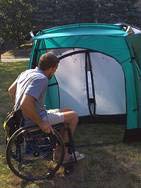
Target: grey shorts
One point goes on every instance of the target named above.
(54, 116)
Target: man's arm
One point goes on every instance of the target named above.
(12, 90)
(28, 108)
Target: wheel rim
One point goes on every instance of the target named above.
(33, 161)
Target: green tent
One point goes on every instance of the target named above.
(119, 44)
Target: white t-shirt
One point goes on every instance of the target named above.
(34, 83)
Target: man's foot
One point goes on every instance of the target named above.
(70, 158)
(61, 171)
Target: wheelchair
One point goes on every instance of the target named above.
(30, 152)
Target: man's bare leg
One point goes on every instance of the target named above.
(71, 121)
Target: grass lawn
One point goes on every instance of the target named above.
(109, 163)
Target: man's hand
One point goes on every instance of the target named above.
(46, 127)
(32, 114)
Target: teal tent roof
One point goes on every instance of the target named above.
(106, 38)
(82, 30)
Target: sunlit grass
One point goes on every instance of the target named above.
(8, 73)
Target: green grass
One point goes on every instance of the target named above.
(109, 163)
(22, 51)
(8, 73)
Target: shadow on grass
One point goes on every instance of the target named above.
(105, 165)
(99, 170)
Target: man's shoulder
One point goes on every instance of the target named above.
(34, 73)
(39, 76)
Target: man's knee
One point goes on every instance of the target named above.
(71, 116)
(65, 110)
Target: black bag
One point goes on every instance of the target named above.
(12, 122)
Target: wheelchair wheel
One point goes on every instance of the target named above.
(30, 151)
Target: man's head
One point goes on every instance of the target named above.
(48, 63)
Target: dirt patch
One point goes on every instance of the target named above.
(22, 52)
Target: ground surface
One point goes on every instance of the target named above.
(22, 52)
(17, 54)
(109, 163)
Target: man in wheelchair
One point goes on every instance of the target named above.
(28, 93)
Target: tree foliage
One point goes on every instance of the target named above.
(15, 19)
(58, 12)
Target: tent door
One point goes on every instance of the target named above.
(109, 85)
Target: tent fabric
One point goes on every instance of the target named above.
(109, 85)
(108, 39)
(52, 96)
(117, 47)
(80, 35)
(82, 29)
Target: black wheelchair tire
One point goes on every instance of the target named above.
(49, 175)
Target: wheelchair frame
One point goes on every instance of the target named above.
(29, 148)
